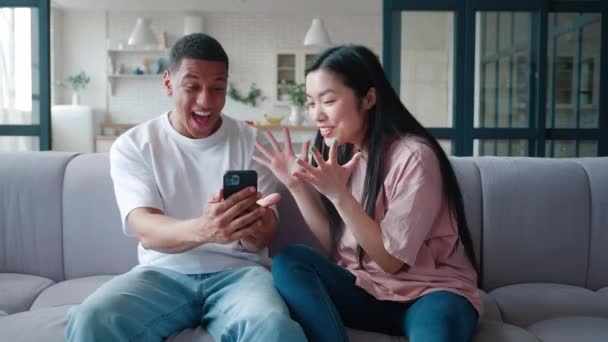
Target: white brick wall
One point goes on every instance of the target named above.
(249, 40)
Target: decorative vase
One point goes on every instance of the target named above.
(75, 99)
(295, 118)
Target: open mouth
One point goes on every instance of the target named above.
(325, 131)
(202, 119)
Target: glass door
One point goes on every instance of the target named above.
(573, 84)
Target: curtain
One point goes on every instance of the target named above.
(15, 87)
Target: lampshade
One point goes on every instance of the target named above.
(317, 34)
(193, 24)
(142, 35)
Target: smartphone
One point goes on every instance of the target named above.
(237, 180)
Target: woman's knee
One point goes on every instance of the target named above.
(293, 255)
(441, 316)
(291, 258)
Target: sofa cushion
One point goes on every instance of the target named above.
(18, 291)
(30, 213)
(93, 241)
(567, 329)
(40, 325)
(598, 186)
(528, 237)
(490, 310)
(492, 331)
(70, 292)
(603, 291)
(48, 324)
(526, 304)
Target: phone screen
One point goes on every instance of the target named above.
(237, 180)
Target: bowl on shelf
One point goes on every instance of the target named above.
(273, 120)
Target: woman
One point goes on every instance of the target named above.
(382, 198)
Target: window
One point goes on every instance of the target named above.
(24, 78)
(524, 77)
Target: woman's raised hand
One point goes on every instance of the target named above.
(329, 177)
(282, 162)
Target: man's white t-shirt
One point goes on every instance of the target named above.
(152, 165)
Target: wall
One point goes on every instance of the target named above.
(76, 49)
(249, 40)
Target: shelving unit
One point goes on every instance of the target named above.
(290, 66)
(123, 62)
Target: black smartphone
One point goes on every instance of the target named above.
(237, 180)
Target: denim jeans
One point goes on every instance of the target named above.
(150, 304)
(323, 298)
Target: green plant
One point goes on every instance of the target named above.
(252, 98)
(295, 91)
(76, 82)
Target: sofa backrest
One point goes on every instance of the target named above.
(93, 242)
(597, 173)
(536, 221)
(30, 213)
(531, 219)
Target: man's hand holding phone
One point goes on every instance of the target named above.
(229, 220)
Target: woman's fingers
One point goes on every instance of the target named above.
(309, 168)
(305, 176)
(288, 145)
(262, 161)
(304, 153)
(333, 153)
(317, 156)
(263, 149)
(273, 141)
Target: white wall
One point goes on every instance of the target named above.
(80, 44)
(249, 40)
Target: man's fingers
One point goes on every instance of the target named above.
(269, 200)
(216, 197)
(251, 218)
(240, 207)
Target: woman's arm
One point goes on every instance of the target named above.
(309, 203)
(366, 231)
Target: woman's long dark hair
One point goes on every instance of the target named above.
(359, 69)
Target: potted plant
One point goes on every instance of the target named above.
(77, 82)
(296, 93)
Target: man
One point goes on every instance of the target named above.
(200, 255)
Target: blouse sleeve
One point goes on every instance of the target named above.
(413, 201)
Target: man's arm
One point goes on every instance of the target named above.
(222, 222)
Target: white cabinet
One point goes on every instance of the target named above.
(72, 128)
(289, 66)
(135, 65)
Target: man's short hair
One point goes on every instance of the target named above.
(197, 46)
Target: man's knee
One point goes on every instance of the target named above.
(275, 326)
(88, 315)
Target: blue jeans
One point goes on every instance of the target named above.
(150, 304)
(323, 298)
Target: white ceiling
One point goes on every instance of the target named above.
(298, 7)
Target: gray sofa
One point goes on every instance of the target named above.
(540, 228)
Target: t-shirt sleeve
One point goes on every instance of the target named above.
(413, 199)
(134, 182)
